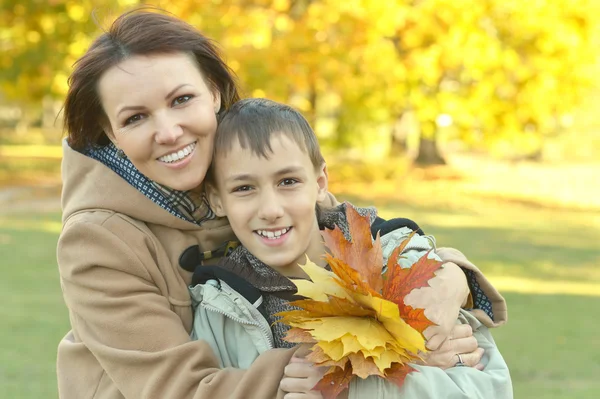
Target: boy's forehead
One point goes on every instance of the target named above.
(278, 142)
(283, 150)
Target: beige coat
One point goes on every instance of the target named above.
(128, 299)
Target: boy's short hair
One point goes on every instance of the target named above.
(253, 121)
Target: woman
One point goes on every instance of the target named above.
(143, 101)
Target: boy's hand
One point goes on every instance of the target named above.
(299, 378)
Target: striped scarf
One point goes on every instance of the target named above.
(186, 205)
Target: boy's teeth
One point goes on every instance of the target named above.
(178, 155)
(272, 234)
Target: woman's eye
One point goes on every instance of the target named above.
(182, 99)
(133, 119)
(288, 182)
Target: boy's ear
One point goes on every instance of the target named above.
(214, 200)
(322, 182)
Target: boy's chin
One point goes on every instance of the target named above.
(277, 262)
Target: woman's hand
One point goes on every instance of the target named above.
(299, 378)
(460, 342)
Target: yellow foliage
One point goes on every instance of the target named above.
(380, 58)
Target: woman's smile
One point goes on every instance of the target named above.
(179, 158)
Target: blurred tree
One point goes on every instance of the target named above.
(497, 70)
(493, 71)
(39, 41)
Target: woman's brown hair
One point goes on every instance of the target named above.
(142, 31)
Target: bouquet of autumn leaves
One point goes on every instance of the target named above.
(355, 314)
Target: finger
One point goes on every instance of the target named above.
(461, 331)
(303, 395)
(295, 395)
(479, 366)
(303, 350)
(435, 342)
(295, 359)
(298, 385)
(472, 359)
(464, 345)
(299, 370)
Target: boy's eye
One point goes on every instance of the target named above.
(133, 119)
(241, 189)
(288, 182)
(182, 99)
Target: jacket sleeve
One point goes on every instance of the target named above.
(119, 311)
(457, 382)
(482, 299)
(445, 293)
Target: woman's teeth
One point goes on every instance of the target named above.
(272, 235)
(178, 155)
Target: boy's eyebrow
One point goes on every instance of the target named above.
(247, 176)
(289, 169)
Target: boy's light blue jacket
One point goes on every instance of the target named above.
(238, 333)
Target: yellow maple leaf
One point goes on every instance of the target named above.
(356, 319)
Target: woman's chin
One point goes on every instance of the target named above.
(181, 181)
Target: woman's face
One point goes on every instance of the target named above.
(162, 114)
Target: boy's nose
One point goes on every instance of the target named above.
(271, 207)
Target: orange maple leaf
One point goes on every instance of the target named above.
(335, 307)
(399, 282)
(415, 318)
(320, 358)
(363, 367)
(299, 336)
(350, 278)
(361, 254)
(355, 316)
(334, 382)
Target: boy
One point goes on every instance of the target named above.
(267, 177)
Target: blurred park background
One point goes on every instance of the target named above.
(479, 119)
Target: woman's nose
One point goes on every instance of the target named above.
(168, 129)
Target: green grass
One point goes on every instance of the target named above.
(550, 343)
(33, 315)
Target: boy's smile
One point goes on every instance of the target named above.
(274, 237)
(270, 202)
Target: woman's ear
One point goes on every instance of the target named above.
(322, 183)
(214, 199)
(105, 125)
(216, 99)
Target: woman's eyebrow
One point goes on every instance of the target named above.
(141, 108)
(175, 89)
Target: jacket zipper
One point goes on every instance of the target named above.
(264, 330)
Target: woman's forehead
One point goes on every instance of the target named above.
(141, 76)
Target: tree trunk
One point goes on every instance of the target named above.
(428, 153)
(400, 132)
(399, 145)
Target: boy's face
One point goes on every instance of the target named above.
(270, 202)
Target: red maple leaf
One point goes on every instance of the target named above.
(398, 372)
(361, 254)
(399, 282)
(334, 382)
